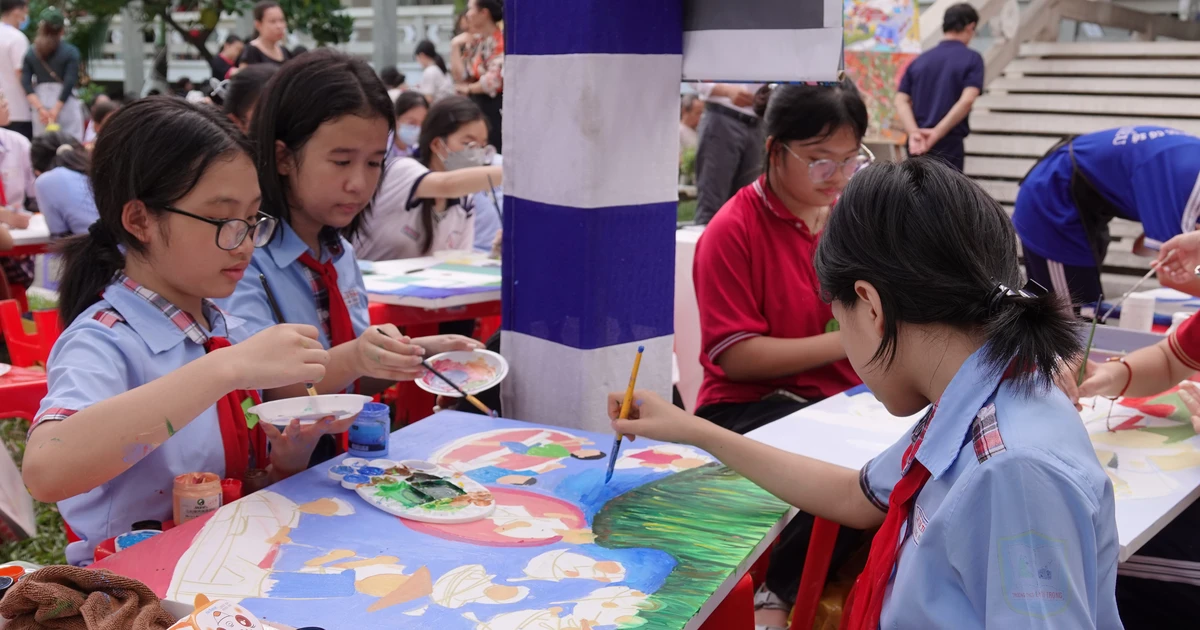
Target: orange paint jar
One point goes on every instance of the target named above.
(196, 494)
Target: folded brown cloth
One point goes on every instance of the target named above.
(74, 598)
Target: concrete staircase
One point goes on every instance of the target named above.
(1054, 89)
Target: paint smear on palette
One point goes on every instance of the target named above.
(521, 519)
(471, 375)
(720, 505)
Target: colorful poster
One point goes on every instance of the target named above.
(881, 26)
(562, 550)
(877, 75)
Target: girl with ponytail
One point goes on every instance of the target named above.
(144, 384)
(993, 511)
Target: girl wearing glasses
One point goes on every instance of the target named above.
(319, 165)
(770, 346)
(143, 383)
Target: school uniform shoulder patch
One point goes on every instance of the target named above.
(985, 434)
(107, 316)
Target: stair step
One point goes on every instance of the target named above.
(1106, 67)
(1078, 85)
(1062, 124)
(998, 167)
(1111, 49)
(1015, 146)
(1103, 105)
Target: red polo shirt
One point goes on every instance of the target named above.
(754, 277)
(1185, 343)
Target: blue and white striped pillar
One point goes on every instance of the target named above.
(591, 143)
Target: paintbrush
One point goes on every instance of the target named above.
(312, 391)
(1087, 352)
(471, 399)
(1138, 284)
(626, 405)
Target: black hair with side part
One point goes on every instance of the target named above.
(935, 246)
(54, 149)
(261, 8)
(444, 118)
(426, 47)
(8, 6)
(958, 17)
(245, 89)
(231, 39)
(808, 113)
(409, 100)
(391, 77)
(304, 94)
(495, 8)
(153, 150)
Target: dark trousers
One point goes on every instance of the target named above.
(25, 128)
(1081, 283)
(1159, 587)
(951, 150)
(787, 559)
(728, 158)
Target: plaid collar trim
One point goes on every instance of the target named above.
(184, 322)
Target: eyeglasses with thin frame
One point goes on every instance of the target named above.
(822, 170)
(232, 232)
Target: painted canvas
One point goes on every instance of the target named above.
(561, 551)
(877, 75)
(884, 26)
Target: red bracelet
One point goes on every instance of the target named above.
(1128, 368)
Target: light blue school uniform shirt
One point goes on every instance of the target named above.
(65, 199)
(130, 337)
(302, 298)
(1149, 173)
(1016, 527)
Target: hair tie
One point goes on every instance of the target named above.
(63, 148)
(1002, 292)
(100, 234)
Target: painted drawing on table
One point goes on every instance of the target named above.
(881, 26)
(1147, 445)
(877, 75)
(561, 550)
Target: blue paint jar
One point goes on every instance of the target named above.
(369, 433)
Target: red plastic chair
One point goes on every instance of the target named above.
(21, 392)
(736, 612)
(28, 349)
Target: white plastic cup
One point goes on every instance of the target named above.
(1137, 313)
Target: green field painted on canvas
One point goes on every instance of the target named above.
(681, 514)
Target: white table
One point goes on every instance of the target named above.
(448, 280)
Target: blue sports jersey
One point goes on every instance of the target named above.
(1149, 173)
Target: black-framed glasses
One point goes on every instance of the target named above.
(232, 232)
(823, 170)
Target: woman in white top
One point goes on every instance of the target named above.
(423, 203)
(435, 84)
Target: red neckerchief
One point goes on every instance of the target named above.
(239, 440)
(341, 327)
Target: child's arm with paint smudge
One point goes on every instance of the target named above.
(381, 359)
(819, 488)
(104, 439)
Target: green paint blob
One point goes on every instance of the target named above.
(402, 493)
(548, 450)
(832, 326)
(251, 419)
(683, 514)
(170, 429)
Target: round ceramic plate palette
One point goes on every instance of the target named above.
(309, 409)
(416, 490)
(472, 370)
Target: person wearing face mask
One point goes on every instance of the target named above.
(411, 108)
(770, 345)
(423, 204)
(14, 17)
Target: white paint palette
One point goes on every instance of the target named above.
(472, 370)
(416, 490)
(310, 409)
